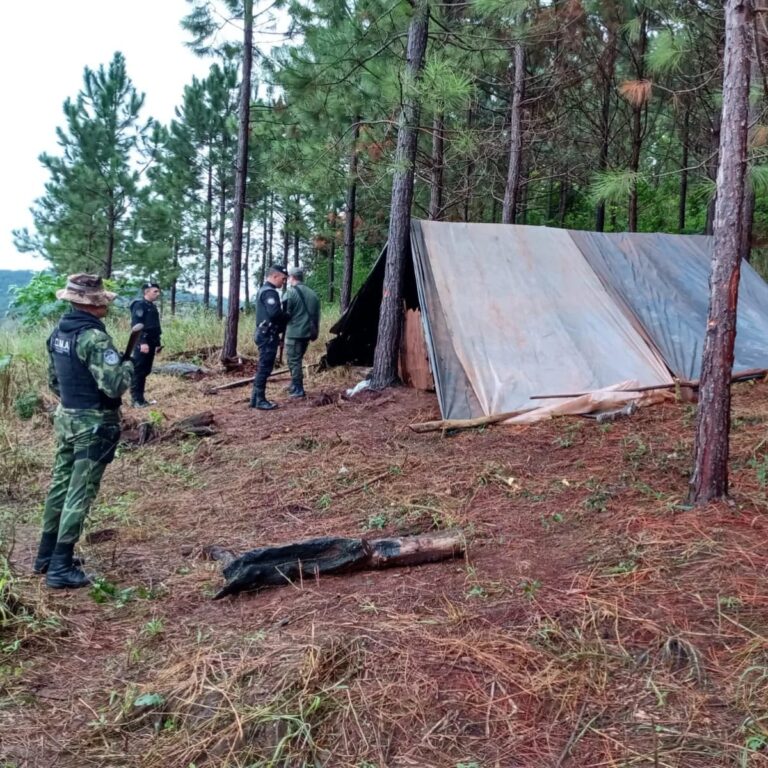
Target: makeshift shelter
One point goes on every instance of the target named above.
(511, 311)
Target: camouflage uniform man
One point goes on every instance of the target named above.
(270, 323)
(88, 374)
(303, 309)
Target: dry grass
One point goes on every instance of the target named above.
(594, 622)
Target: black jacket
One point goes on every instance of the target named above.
(143, 311)
(270, 316)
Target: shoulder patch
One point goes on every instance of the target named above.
(111, 357)
(271, 300)
(139, 311)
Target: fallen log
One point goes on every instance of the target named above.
(200, 424)
(745, 375)
(240, 382)
(480, 421)
(275, 566)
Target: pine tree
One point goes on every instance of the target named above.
(83, 221)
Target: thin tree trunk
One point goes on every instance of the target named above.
(514, 169)
(208, 234)
(271, 225)
(436, 175)
(175, 275)
(638, 112)
(229, 348)
(469, 171)
(607, 69)
(349, 221)
(110, 242)
(246, 264)
(710, 471)
(220, 247)
(755, 76)
(286, 231)
(562, 207)
(391, 312)
(712, 171)
(683, 201)
(264, 242)
(331, 269)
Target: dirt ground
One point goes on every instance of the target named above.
(594, 621)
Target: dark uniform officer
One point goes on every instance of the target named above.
(144, 311)
(270, 323)
(88, 374)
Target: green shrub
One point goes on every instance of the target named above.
(27, 404)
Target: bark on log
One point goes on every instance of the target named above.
(275, 566)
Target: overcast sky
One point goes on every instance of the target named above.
(46, 45)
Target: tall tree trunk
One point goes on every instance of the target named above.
(755, 76)
(297, 232)
(220, 247)
(710, 471)
(286, 231)
(638, 112)
(264, 241)
(391, 312)
(331, 269)
(683, 201)
(712, 171)
(436, 174)
(469, 171)
(229, 348)
(514, 169)
(246, 264)
(562, 207)
(175, 281)
(208, 233)
(271, 225)
(607, 70)
(349, 221)
(110, 241)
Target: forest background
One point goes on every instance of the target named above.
(571, 113)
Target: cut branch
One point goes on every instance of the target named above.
(275, 566)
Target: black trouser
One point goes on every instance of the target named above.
(142, 367)
(267, 344)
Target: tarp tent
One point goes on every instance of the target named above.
(511, 311)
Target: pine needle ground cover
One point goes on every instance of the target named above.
(595, 620)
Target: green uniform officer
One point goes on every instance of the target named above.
(89, 375)
(303, 309)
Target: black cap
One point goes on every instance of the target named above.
(279, 268)
(147, 286)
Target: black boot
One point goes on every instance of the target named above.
(62, 571)
(44, 551)
(259, 400)
(297, 391)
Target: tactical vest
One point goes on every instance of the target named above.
(150, 319)
(263, 320)
(76, 383)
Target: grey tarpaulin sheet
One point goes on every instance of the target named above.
(664, 281)
(524, 314)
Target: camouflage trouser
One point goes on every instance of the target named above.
(294, 353)
(85, 444)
